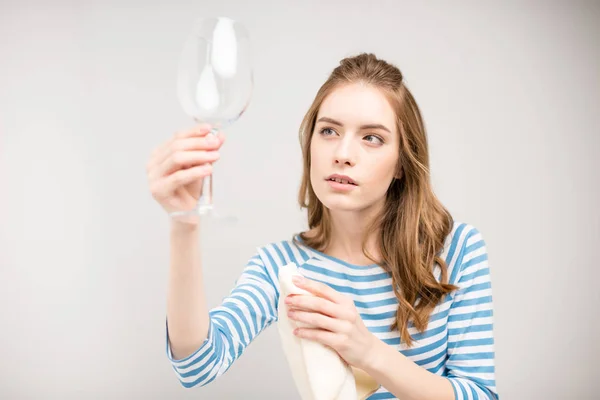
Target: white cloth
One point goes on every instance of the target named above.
(318, 371)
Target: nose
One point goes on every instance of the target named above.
(344, 153)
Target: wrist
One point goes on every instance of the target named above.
(183, 227)
(374, 356)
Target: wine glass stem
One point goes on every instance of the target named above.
(206, 199)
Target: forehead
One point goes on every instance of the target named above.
(358, 104)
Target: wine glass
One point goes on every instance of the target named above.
(214, 84)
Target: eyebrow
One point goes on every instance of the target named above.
(368, 126)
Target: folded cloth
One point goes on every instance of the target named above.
(318, 371)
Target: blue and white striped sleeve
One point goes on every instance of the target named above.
(470, 366)
(245, 312)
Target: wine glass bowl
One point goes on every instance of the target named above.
(214, 82)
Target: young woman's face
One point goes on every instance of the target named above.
(354, 148)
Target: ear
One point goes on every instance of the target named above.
(400, 174)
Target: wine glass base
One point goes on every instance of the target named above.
(202, 211)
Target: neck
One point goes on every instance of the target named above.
(348, 229)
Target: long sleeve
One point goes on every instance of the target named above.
(470, 366)
(248, 309)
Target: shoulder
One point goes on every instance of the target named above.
(274, 255)
(463, 247)
(279, 253)
(463, 234)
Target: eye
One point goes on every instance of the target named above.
(327, 132)
(374, 139)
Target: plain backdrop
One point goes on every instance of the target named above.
(510, 92)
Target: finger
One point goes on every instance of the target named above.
(186, 195)
(315, 304)
(198, 130)
(184, 177)
(209, 142)
(161, 152)
(221, 136)
(319, 289)
(317, 320)
(322, 336)
(186, 144)
(186, 159)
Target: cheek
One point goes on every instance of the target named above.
(313, 174)
(315, 165)
(382, 173)
(317, 158)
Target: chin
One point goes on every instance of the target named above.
(342, 206)
(340, 202)
(344, 203)
(336, 201)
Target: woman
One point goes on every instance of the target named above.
(402, 291)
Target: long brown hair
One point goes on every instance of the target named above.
(413, 224)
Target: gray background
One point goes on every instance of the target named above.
(510, 94)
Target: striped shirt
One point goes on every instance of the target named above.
(458, 343)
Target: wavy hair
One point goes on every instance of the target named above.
(413, 224)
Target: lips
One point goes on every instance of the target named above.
(341, 179)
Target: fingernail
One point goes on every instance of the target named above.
(297, 279)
